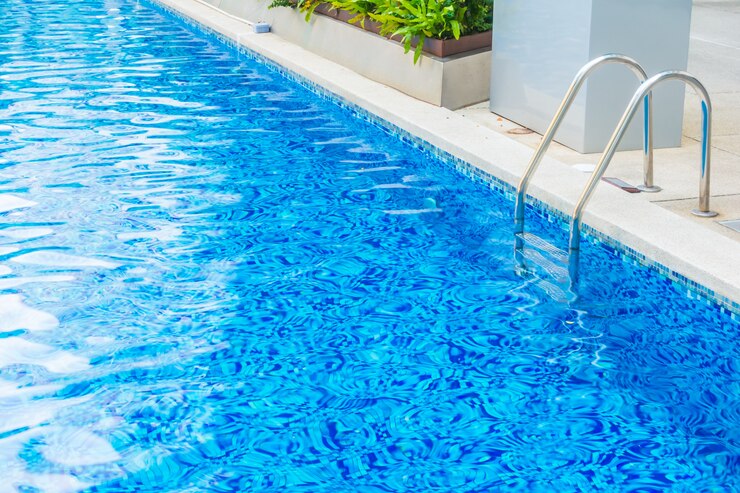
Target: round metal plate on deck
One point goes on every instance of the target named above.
(585, 167)
(652, 189)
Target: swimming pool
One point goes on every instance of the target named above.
(212, 279)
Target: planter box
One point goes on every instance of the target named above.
(539, 45)
(448, 80)
(449, 47)
(437, 47)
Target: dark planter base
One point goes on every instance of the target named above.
(449, 47)
(437, 47)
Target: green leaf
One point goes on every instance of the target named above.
(455, 29)
(358, 18)
(419, 47)
(410, 8)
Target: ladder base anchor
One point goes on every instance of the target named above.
(699, 213)
(646, 189)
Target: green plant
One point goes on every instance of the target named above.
(479, 16)
(412, 20)
(361, 9)
(306, 6)
(415, 20)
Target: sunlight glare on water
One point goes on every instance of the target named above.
(212, 279)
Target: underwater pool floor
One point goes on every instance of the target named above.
(214, 279)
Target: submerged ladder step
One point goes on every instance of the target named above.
(547, 264)
(555, 291)
(559, 273)
(545, 246)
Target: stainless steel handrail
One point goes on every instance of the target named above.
(611, 148)
(549, 134)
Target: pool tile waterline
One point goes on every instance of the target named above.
(692, 289)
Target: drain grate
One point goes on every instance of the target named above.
(733, 224)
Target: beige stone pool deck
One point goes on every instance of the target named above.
(659, 226)
(714, 58)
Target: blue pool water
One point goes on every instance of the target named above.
(212, 279)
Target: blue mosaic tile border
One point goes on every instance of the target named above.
(692, 289)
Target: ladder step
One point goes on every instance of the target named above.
(541, 244)
(559, 273)
(556, 292)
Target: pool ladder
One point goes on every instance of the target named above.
(644, 95)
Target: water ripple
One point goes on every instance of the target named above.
(211, 279)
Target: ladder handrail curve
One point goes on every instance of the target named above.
(567, 101)
(629, 113)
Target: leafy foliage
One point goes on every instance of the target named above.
(361, 8)
(306, 6)
(417, 20)
(412, 20)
